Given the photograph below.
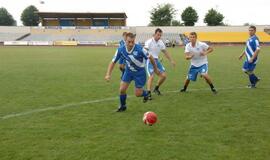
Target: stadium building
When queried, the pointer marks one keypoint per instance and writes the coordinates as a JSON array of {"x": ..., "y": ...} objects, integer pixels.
[
  {"x": 63, "y": 28},
  {"x": 82, "y": 19}
]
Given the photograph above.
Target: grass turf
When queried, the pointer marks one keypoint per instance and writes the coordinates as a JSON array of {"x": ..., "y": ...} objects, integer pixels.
[{"x": 196, "y": 125}]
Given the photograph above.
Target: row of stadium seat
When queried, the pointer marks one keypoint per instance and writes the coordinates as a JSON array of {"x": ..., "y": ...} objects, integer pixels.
[
  {"x": 10, "y": 36},
  {"x": 112, "y": 35},
  {"x": 225, "y": 37},
  {"x": 215, "y": 37},
  {"x": 51, "y": 37},
  {"x": 172, "y": 37},
  {"x": 78, "y": 31},
  {"x": 12, "y": 33},
  {"x": 106, "y": 35}
]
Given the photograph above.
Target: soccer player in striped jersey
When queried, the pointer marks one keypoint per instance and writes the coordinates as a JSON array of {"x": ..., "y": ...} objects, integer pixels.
[
  {"x": 251, "y": 52},
  {"x": 135, "y": 59}
]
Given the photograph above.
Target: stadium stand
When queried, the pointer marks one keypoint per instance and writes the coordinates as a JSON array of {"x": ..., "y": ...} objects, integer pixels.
[
  {"x": 106, "y": 35},
  {"x": 142, "y": 37},
  {"x": 112, "y": 34},
  {"x": 267, "y": 30},
  {"x": 171, "y": 34},
  {"x": 226, "y": 34},
  {"x": 217, "y": 34},
  {"x": 13, "y": 33},
  {"x": 82, "y": 19},
  {"x": 229, "y": 37}
]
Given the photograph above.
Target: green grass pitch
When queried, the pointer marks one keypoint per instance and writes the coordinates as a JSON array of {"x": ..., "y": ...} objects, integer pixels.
[{"x": 55, "y": 105}]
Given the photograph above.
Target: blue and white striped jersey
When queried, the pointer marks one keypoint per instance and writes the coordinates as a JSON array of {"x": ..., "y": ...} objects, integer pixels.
[
  {"x": 135, "y": 59},
  {"x": 252, "y": 45},
  {"x": 122, "y": 43}
]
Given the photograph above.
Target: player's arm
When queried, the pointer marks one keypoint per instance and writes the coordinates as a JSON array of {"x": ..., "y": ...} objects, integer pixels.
[
  {"x": 152, "y": 61},
  {"x": 168, "y": 56},
  {"x": 256, "y": 53},
  {"x": 242, "y": 55},
  {"x": 109, "y": 71},
  {"x": 146, "y": 49},
  {"x": 111, "y": 65},
  {"x": 189, "y": 55},
  {"x": 151, "y": 58},
  {"x": 207, "y": 51}
]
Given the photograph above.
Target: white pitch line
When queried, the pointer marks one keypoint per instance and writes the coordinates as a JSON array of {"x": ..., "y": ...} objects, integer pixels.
[
  {"x": 96, "y": 101},
  {"x": 56, "y": 107},
  {"x": 206, "y": 89}
]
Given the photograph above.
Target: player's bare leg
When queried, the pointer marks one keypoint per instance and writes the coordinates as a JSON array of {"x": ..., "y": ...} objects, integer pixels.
[
  {"x": 149, "y": 85},
  {"x": 123, "y": 96},
  {"x": 122, "y": 69},
  {"x": 161, "y": 79},
  {"x": 140, "y": 92},
  {"x": 209, "y": 81},
  {"x": 186, "y": 83}
]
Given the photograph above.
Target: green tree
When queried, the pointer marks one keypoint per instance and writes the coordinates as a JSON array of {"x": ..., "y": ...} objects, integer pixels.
[
  {"x": 213, "y": 18},
  {"x": 162, "y": 15},
  {"x": 29, "y": 16},
  {"x": 6, "y": 18},
  {"x": 189, "y": 16},
  {"x": 176, "y": 23},
  {"x": 246, "y": 24},
  {"x": 249, "y": 24}
]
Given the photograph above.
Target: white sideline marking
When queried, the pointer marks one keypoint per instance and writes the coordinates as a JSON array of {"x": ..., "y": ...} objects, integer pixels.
[
  {"x": 56, "y": 107},
  {"x": 98, "y": 101}
]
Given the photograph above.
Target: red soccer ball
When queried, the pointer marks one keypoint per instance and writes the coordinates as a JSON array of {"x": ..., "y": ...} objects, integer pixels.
[{"x": 149, "y": 118}]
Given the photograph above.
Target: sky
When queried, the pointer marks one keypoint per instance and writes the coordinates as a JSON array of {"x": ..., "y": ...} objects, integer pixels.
[{"x": 236, "y": 12}]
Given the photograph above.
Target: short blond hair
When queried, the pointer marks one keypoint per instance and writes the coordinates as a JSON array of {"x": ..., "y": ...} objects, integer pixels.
[
  {"x": 130, "y": 35},
  {"x": 193, "y": 34}
]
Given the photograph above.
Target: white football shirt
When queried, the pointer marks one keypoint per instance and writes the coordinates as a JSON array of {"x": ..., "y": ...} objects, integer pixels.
[
  {"x": 154, "y": 47},
  {"x": 197, "y": 60}
]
